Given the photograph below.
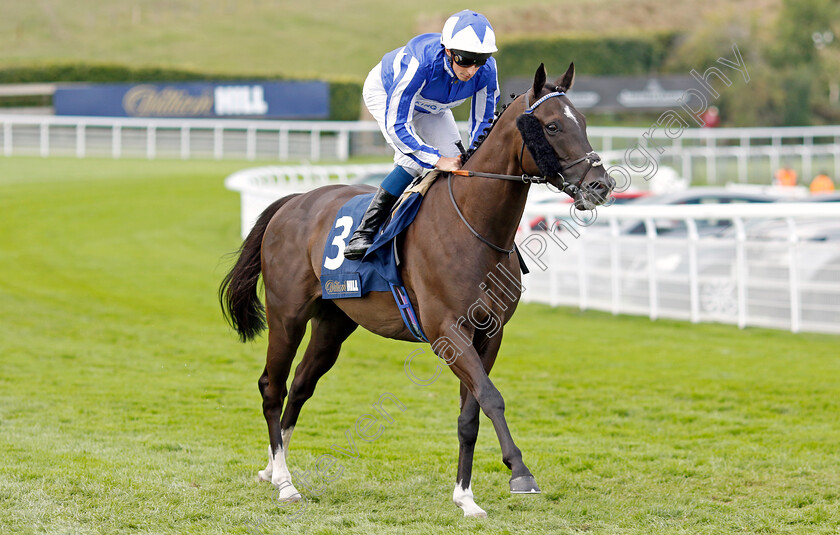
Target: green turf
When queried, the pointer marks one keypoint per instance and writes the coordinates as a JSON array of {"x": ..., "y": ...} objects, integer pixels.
[{"x": 127, "y": 406}]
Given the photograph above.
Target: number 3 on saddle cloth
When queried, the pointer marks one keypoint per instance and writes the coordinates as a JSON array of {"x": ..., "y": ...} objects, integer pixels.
[{"x": 378, "y": 271}]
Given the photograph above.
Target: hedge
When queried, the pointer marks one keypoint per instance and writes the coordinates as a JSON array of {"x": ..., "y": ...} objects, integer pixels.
[
  {"x": 345, "y": 95},
  {"x": 629, "y": 55}
]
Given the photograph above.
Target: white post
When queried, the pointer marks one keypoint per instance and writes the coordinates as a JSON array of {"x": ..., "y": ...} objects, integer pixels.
[
  {"x": 151, "y": 142},
  {"x": 185, "y": 142},
  {"x": 793, "y": 271},
  {"x": 836, "y": 150},
  {"x": 583, "y": 285},
  {"x": 743, "y": 160},
  {"x": 741, "y": 270},
  {"x": 685, "y": 156},
  {"x": 653, "y": 297},
  {"x": 343, "y": 145},
  {"x": 218, "y": 148},
  {"x": 774, "y": 154},
  {"x": 251, "y": 143},
  {"x": 807, "y": 159},
  {"x": 45, "y": 139},
  {"x": 7, "y": 138},
  {"x": 315, "y": 145},
  {"x": 614, "y": 265},
  {"x": 711, "y": 161},
  {"x": 283, "y": 145},
  {"x": 693, "y": 282},
  {"x": 552, "y": 281},
  {"x": 116, "y": 141},
  {"x": 80, "y": 140}
]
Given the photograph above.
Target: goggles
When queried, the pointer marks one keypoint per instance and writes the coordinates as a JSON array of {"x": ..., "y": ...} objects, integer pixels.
[{"x": 468, "y": 60}]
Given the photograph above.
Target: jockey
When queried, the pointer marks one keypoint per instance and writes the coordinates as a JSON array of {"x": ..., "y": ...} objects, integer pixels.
[{"x": 410, "y": 93}]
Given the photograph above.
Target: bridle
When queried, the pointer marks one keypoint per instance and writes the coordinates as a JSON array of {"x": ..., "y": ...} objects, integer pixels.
[{"x": 591, "y": 158}]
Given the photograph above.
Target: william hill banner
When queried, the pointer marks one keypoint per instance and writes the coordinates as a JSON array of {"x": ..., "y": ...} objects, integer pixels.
[{"x": 267, "y": 100}]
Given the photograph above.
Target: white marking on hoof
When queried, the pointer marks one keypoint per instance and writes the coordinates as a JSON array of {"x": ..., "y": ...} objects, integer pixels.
[
  {"x": 286, "y": 437},
  {"x": 287, "y": 493},
  {"x": 281, "y": 478},
  {"x": 463, "y": 498},
  {"x": 265, "y": 475}
]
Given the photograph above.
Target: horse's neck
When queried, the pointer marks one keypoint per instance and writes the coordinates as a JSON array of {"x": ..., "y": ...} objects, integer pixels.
[{"x": 494, "y": 207}]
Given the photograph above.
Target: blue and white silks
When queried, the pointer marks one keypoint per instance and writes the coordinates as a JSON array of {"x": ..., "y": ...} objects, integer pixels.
[{"x": 418, "y": 78}]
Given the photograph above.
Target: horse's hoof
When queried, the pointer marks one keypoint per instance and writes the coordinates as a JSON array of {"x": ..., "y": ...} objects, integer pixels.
[
  {"x": 524, "y": 485},
  {"x": 286, "y": 492},
  {"x": 479, "y": 514},
  {"x": 263, "y": 475}
]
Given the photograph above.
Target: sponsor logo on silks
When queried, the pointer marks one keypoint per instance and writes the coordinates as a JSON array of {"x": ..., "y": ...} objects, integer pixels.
[{"x": 341, "y": 285}]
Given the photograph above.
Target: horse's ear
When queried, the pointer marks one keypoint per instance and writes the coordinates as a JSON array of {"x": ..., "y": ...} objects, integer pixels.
[
  {"x": 564, "y": 83},
  {"x": 539, "y": 80}
]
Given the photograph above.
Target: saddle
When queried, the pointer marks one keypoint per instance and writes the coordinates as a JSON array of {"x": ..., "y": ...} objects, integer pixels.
[{"x": 378, "y": 270}]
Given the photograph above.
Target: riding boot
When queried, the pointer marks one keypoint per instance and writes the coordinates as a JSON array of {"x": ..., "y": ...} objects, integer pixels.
[{"x": 375, "y": 215}]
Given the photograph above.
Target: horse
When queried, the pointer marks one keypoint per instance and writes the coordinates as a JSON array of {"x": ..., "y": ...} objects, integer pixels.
[{"x": 458, "y": 251}]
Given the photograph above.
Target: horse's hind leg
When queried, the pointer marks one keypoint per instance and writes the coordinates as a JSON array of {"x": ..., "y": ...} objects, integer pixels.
[
  {"x": 330, "y": 328},
  {"x": 283, "y": 340}
]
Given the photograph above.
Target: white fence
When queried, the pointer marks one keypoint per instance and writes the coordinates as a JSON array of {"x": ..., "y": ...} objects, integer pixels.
[
  {"x": 791, "y": 281},
  {"x": 259, "y": 187},
  {"x": 180, "y": 138},
  {"x": 745, "y": 155},
  {"x": 778, "y": 265}
]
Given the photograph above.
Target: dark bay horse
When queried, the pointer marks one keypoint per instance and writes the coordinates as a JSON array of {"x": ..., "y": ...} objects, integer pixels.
[{"x": 445, "y": 268}]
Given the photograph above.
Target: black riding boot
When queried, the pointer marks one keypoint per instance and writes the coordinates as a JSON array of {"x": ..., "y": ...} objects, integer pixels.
[{"x": 375, "y": 215}]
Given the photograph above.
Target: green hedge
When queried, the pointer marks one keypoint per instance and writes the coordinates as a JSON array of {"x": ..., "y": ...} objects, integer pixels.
[
  {"x": 345, "y": 95},
  {"x": 629, "y": 55}
]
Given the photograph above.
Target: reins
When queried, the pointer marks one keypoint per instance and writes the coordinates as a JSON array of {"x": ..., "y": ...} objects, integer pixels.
[
  {"x": 566, "y": 187},
  {"x": 475, "y": 232}
]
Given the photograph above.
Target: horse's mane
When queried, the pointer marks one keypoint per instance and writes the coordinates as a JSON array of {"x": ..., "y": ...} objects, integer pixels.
[{"x": 487, "y": 130}]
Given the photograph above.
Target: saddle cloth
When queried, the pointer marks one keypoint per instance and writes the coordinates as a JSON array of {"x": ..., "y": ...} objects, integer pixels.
[{"x": 378, "y": 270}]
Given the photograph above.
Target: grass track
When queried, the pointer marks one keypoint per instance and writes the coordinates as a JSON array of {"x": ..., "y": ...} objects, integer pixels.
[{"x": 127, "y": 406}]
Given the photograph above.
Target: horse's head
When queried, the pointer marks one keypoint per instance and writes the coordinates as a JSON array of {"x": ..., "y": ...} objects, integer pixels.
[{"x": 558, "y": 149}]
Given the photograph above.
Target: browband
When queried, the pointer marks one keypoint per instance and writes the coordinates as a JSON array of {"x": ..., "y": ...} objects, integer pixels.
[{"x": 530, "y": 108}]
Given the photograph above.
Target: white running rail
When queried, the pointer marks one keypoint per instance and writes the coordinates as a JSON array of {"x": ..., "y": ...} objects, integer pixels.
[{"x": 791, "y": 281}]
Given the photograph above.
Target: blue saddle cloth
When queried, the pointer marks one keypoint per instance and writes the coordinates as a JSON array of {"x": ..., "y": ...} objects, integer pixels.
[{"x": 377, "y": 271}]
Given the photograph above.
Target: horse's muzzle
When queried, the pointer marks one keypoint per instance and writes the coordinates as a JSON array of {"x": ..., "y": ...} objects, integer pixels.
[{"x": 594, "y": 193}]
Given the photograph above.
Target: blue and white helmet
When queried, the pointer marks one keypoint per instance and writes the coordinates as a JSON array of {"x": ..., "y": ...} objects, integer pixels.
[{"x": 469, "y": 31}]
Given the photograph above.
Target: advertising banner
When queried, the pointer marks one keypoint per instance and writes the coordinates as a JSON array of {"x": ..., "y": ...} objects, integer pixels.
[
  {"x": 266, "y": 100},
  {"x": 618, "y": 93}
]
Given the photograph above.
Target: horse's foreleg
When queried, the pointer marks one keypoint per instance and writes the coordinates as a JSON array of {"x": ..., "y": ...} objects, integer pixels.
[
  {"x": 467, "y": 435},
  {"x": 470, "y": 370},
  {"x": 468, "y": 423}
]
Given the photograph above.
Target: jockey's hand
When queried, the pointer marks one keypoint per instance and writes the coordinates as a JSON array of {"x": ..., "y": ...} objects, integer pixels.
[{"x": 448, "y": 164}]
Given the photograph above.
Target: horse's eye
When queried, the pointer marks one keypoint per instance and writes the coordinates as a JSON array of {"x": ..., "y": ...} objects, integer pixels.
[{"x": 552, "y": 128}]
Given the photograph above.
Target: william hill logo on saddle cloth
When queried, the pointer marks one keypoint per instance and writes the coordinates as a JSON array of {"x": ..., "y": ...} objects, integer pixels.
[{"x": 345, "y": 285}]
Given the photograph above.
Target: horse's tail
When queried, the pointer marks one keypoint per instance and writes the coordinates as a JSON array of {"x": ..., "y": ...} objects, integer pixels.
[{"x": 238, "y": 296}]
